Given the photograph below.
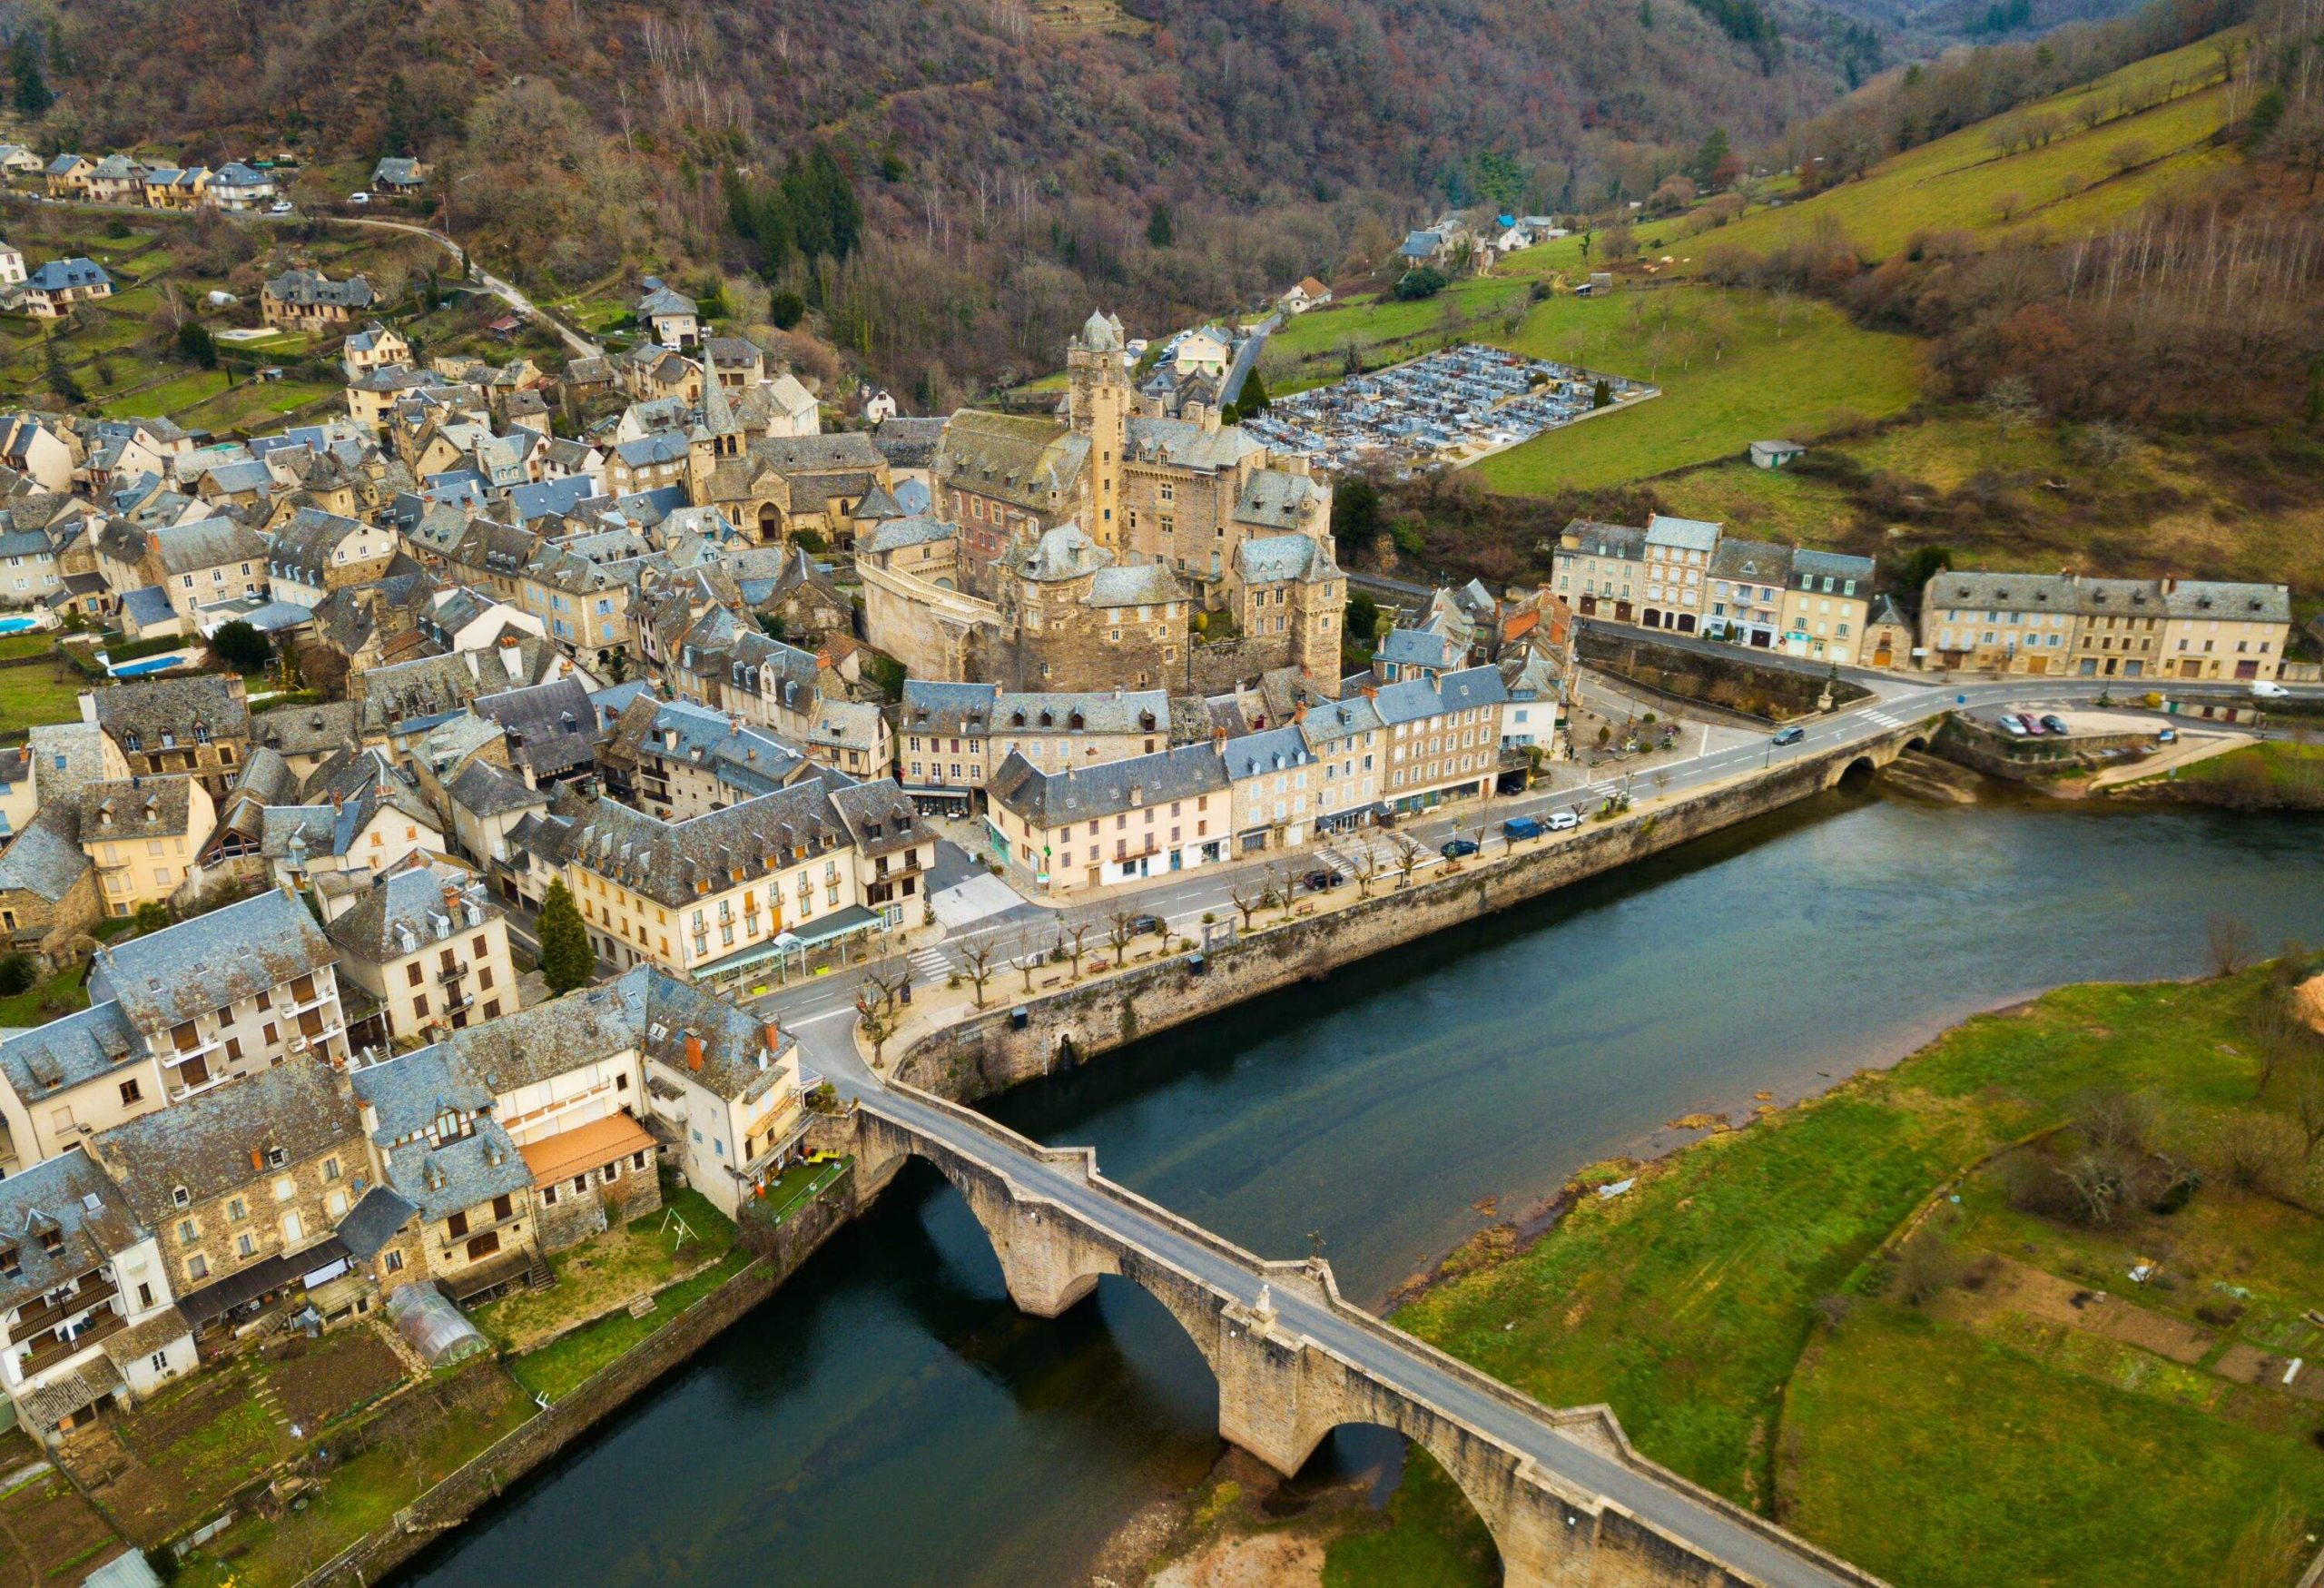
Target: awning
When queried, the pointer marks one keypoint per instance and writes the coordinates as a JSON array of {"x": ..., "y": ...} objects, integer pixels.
[
  {"x": 278, "y": 1272},
  {"x": 921, "y": 791},
  {"x": 583, "y": 1147},
  {"x": 838, "y": 924}
]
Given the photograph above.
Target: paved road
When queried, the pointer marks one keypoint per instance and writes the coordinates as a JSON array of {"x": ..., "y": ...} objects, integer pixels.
[
  {"x": 821, "y": 1014},
  {"x": 581, "y": 346}
]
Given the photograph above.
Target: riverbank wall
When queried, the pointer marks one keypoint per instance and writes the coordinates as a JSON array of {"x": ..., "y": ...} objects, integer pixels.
[
  {"x": 1022, "y": 1039},
  {"x": 782, "y": 1250}
]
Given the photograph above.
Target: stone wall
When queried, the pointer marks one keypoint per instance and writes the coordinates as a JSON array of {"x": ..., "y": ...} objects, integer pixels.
[
  {"x": 985, "y": 1055},
  {"x": 451, "y": 1502},
  {"x": 1735, "y": 683}
]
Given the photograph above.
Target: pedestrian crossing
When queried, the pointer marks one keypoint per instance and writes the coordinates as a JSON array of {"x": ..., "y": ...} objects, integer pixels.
[
  {"x": 930, "y": 964},
  {"x": 1886, "y": 719}
]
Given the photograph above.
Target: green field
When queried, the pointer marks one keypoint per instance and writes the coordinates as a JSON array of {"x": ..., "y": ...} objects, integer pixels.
[
  {"x": 1734, "y": 367},
  {"x": 1953, "y": 1444},
  {"x": 32, "y": 695},
  {"x": 2076, "y": 181},
  {"x": 171, "y": 396}
]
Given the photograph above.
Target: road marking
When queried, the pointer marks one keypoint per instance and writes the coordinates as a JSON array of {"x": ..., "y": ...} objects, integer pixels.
[
  {"x": 931, "y": 962},
  {"x": 816, "y": 1020}
]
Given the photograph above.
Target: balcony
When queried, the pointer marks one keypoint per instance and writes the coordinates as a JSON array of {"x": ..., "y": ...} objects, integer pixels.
[
  {"x": 41, "y": 1357},
  {"x": 178, "y": 1094},
  {"x": 322, "y": 995},
  {"x": 174, "y": 1056},
  {"x": 31, "y": 1320},
  {"x": 450, "y": 974}
]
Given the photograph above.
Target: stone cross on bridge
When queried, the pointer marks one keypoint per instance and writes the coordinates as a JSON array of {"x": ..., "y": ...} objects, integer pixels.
[{"x": 1567, "y": 1500}]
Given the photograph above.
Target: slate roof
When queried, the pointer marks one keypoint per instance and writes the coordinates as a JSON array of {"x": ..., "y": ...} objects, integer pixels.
[
  {"x": 895, "y": 533},
  {"x": 206, "y": 1143},
  {"x": 1190, "y": 444},
  {"x": 932, "y": 706},
  {"x": 1684, "y": 534},
  {"x": 549, "y": 1038},
  {"x": 1270, "y": 750},
  {"x": 71, "y": 1197},
  {"x": 735, "y": 1064},
  {"x": 312, "y": 289},
  {"x": 197, "y": 966},
  {"x": 149, "y": 607},
  {"x": 486, "y": 790},
  {"x": 1597, "y": 538},
  {"x": 1415, "y": 648},
  {"x": 675, "y": 862},
  {"x": 1143, "y": 584},
  {"x": 1832, "y": 565},
  {"x": 67, "y": 1051},
  {"x": 1752, "y": 561},
  {"x": 136, "y": 808},
  {"x": 407, "y": 910},
  {"x": 551, "y": 727},
  {"x": 151, "y": 707},
  {"x": 45, "y": 858},
  {"x": 184, "y": 549},
  {"x": 2002, "y": 592},
  {"x": 321, "y": 729},
  {"x": 373, "y": 1222},
  {"x": 60, "y": 275},
  {"x": 908, "y": 443},
  {"x": 1046, "y": 799},
  {"x": 2211, "y": 598},
  {"x": 1276, "y": 498}
]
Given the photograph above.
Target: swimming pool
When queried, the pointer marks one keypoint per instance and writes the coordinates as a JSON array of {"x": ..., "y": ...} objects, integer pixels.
[
  {"x": 18, "y": 625},
  {"x": 148, "y": 665}
]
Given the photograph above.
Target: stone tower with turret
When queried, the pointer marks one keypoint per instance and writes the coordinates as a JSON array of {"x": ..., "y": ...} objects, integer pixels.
[{"x": 1098, "y": 398}]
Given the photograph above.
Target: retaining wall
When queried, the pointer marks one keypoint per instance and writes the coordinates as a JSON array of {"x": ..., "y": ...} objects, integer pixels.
[
  {"x": 459, "y": 1496},
  {"x": 988, "y": 1054}
]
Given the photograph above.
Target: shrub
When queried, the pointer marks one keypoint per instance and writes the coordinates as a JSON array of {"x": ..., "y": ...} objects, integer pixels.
[{"x": 18, "y": 972}]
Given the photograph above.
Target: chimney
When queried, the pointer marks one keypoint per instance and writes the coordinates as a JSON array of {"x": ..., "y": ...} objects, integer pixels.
[
  {"x": 773, "y": 1036},
  {"x": 258, "y": 1159},
  {"x": 1371, "y": 692},
  {"x": 2170, "y": 583},
  {"x": 335, "y": 800},
  {"x": 694, "y": 1052}
]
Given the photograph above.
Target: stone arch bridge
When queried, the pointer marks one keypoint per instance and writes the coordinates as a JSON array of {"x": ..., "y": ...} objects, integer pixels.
[{"x": 1567, "y": 1500}]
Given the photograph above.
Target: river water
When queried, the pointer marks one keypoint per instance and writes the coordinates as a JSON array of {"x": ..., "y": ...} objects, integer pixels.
[{"x": 888, "y": 1417}]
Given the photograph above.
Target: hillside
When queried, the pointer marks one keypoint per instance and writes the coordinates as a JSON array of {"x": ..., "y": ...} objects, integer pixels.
[{"x": 1013, "y": 164}]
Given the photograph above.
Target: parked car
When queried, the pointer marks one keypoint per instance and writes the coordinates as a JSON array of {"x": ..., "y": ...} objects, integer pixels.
[
  {"x": 2030, "y": 723},
  {"x": 1321, "y": 878},
  {"x": 1791, "y": 735},
  {"x": 358, "y": 198},
  {"x": 2011, "y": 726},
  {"x": 2056, "y": 724},
  {"x": 1454, "y": 848},
  {"x": 1518, "y": 827},
  {"x": 1143, "y": 925},
  {"x": 1564, "y": 821},
  {"x": 2166, "y": 735},
  {"x": 2269, "y": 689},
  {"x": 280, "y": 207}
]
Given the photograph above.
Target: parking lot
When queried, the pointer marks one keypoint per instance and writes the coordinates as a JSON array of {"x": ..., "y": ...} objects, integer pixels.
[{"x": 1452, "y": 406}]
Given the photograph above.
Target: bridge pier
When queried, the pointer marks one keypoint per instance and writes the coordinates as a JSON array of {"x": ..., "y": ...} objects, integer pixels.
[{"x": 1281, "y": 1392}]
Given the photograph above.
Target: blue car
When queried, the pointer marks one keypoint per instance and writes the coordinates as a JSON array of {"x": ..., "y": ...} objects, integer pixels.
[{"x": 1457, "y": 847}]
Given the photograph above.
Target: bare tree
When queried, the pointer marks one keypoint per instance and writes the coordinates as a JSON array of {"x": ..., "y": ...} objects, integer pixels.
[
  {"x": 1120, "y": 927},
  {"x": 1072, "y": 937},
  {"x": 1367, "y": 871},
  {"x": 977, "y": 958},
  {"x": 1248, "y": 899},
  {"x": 878, "y": 1009},
  {"x": 2307, "y": 1101},
  {"x": 1408, "y": 859},
  {"x": 1025, "y": 957},
  {"x": 2230, "y": 938}
]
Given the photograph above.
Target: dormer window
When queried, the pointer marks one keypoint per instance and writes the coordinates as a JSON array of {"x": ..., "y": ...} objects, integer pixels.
[
  {"x": 11, "y": 1263},
  {"x": 276, "y": 1157},
  {"x": 180, "y": 1197},
  {"x": 52, "y": 1241}
]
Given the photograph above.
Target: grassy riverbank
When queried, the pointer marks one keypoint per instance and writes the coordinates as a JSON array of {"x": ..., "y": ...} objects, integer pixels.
[{"x": 1967, "y": 1412}]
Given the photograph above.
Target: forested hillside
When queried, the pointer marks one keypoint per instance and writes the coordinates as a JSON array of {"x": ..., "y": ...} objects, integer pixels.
[{"x": 1011, "y": 166}]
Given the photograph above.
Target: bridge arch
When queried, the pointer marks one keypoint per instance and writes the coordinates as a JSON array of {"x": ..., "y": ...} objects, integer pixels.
[
  {"x": 1856, "y": 774},
  {"x": 1278, "y": 1398}
]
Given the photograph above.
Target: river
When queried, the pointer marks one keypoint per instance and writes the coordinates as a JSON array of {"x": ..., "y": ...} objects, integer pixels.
[{"x": 889, "y": 1418}]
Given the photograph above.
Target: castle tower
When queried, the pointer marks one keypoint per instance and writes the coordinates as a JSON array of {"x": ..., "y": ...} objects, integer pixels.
[{"x": 1098, "y": 399}]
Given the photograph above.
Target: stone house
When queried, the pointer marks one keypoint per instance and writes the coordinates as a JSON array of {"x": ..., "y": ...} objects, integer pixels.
[
  {"x": 1444, "y": 737},
  {"x": 1274, "y": 782},
  {"x": 310, "y": 301},
  {"x": 724, "y": 1088},
  {"x": 48, "y": 888},
  {"x": 1114, "y": 822},
  {"x": 439, "y": 1146},
  {"x": 570, "y": 1085},
  {"x": 199, "y": 725},
  {"x": 428, "y": 946},
  {"x": 245, "y": 1189},
  {"x": 1825, "y": 606},
  {"x": 52, "y": 291},
  {"x": 949, "y": 736},
  {"x": 144, "y": 835},
  {"x": 173, "y": 1014},
  {"x": 678, "y": 760},
  {"x": 673, "y": 319},
  {"x": 317, "y": 552},
  {"x": 375, "y": 347},
  {"x": 86, "y": 1319}
]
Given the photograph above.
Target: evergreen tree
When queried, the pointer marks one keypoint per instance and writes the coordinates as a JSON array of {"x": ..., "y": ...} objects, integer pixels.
[
  {"x": 1254, "y": 399},
  {"x": 396, "y": 130},
  {"x": 1356, "y": 520},
  {"x": 1601, "y": 395},
  {"x": 1708, "y": 159},
  {"x": 196, "y": 344},
  {"x": 567, "y": 959},
  {"x": 240, "y": 647},
  {"x": 60, "y": 379},
  {"x": 1161, "y": 230},
  {"x": 30, "y": 92}
]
